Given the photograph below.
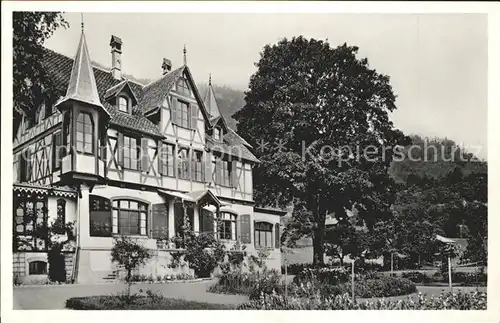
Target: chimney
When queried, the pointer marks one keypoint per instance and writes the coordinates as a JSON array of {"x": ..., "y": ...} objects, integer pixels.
[
  {"x": 166, "y": 66},
  {"x": 116, "y": 57}
]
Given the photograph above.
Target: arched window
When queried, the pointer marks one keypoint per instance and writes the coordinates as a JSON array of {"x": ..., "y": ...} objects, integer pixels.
[
  {"x": 129, "y": 217},
  {"x": 226, "y": 226},
  {"x": 61, "y": 210},
  {"x": 263, "y": 235},
  {"x": 85, "y": 133},
  {"x": 122, "y": 104},
  {"x": 38, "y": 268}
]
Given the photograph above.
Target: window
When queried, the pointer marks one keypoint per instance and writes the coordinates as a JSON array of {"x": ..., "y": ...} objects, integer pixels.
[
  {"x": 57, "y": 150},
  {"x": 197, "y": 166},
  {"x": 129, "y": 217},
  {"x": 61, "y": 210},
  {"x": 100, "y": 216},
  {"x": 182, "y": 163},
  {"x": 263, "y": 235},
  {"x": 84, "y": 133},
  {"x": 29, "y": 214},
  {"x": 130, "y": 152},
  {"x": 167, "y": 160},
  {"x": 226, "y": 226},
  {"x": 122, "y": 104},
  {"x": 217, "y": 134},
  {"x": 183, "y": 114},
  {"x": 38, "y": 268},
  {"x": 222, "y": 171}
]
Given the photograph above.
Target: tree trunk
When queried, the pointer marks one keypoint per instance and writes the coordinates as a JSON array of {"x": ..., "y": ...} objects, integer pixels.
[
  {"x": 318, "y": 245},
  {"x": 341, "y": 257}
]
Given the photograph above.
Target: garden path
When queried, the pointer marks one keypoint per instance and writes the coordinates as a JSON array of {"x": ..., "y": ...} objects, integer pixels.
[{"x": 55, "y": 296}]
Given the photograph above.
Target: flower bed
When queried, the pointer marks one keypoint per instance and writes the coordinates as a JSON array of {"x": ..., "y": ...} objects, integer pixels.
[
  {"x": 251, "y": 284},
  {"x": 460, "y": 301},
  {"x": 375, "y": 287}
]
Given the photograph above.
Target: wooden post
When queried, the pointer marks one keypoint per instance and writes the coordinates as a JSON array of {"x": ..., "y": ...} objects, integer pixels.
[
  {"x": 392, "y": 263},
  {"x": 449, "y": 273},
  {"x": 352, "y": 279},
  {"x": 286, "y": 276}
]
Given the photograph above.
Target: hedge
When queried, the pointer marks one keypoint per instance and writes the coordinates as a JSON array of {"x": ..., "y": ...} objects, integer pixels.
[{"x": 139, "y": 303}]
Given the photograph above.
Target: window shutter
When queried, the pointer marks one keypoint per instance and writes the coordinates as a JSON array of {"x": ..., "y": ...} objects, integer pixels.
[
  {"x": 234, "y": 174},
  {"x": 159, "y": 225},
  {"x": 28, "y": 165},
  {"x": 19, "y": 167},
  {"x": 176, "y": 157},
  {"x": 144, "y": 155},
  {"x": 120, "y": 148},
  {"x": 194, "y": 116},
  {"x": 245, "y": 228},
  {"x": 218, "y": 171},
  {"x": 277, "y": 240},
  {"x": 173, "y": 110},
  {"x": 208, "y": 167},
  {"x": 161, "y": 156}
]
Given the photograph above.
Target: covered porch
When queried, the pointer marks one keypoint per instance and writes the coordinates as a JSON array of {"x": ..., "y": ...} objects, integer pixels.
[{"x": 197, "y": 211}]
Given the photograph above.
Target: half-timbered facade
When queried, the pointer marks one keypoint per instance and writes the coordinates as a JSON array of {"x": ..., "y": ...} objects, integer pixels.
[{"x": 122, "y": 158}]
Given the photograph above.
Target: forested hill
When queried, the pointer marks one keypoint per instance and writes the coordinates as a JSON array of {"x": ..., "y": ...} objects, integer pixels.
[
  {"x": 434, "y": 159},
  {"x": 442, "y": 157}
]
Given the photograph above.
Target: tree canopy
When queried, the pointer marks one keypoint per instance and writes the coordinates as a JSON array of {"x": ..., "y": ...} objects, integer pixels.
[
  {"x": 31, "y": 84},
  {"x": 311, "y": 110}
]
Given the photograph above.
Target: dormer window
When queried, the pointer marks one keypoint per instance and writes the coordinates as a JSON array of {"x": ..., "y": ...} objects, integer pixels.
[
  {"x": 122, "y": 104},
  {"x": 218, "y": 134}
]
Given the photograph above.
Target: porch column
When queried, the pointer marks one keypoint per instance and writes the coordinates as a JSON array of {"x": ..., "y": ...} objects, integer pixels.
[
  {"x": 83, "y": 218},
  {"x": 171, "y": 219},
  {"x": 196, "y": 220}
]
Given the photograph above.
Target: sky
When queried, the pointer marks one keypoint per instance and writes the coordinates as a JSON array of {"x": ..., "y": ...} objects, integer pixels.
[{"x": 438, "y": 63}]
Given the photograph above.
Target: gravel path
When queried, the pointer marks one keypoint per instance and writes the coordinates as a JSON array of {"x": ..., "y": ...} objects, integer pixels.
[{"x": 54, "y": 297}]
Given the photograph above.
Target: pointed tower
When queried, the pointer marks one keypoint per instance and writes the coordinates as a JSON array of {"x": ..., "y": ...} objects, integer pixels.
[
  {"x": 84, "y": 123},
  {"x": 210, "y": 101}
]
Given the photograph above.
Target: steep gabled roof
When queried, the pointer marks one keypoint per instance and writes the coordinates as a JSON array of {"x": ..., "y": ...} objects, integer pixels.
[
  {"x": 59, "y": 69},
  {"x": 155, "y": 92}
]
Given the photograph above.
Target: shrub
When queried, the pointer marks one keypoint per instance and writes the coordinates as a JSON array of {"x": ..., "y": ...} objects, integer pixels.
[
  {"x": 460, "y": 301},
  {"x": 417, "y": 277},
  {"x": 467, "y": 278},
  {"x": 382, "y": 286},
  {"x": 330, "y": 276},
  {"x": 149, "y": 302},
  {"x": 252, "y": 284},
  {"x": 203, "y": 253},
  {"x": 336, "y": 281}
]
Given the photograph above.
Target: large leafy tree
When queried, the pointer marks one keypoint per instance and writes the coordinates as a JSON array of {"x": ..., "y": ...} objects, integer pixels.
[
  {"x": 344, "y": 239},
  {"x": 311, "y": 111},
  {"x": 31, "y": 84}
]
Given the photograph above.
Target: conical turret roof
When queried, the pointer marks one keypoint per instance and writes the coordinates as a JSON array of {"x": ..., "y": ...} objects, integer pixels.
[
  {"x": 82, "y": 86},
  {"x": 211, "y": 102}
]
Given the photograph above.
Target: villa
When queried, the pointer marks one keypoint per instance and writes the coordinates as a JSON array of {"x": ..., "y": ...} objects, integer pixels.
[{"x": 121, "y": 158}]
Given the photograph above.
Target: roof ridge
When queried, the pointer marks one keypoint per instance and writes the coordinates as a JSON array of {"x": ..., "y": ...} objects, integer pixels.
[
  {"x": 98, "y": 66},
  {"x": 162, "y": 77}
]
